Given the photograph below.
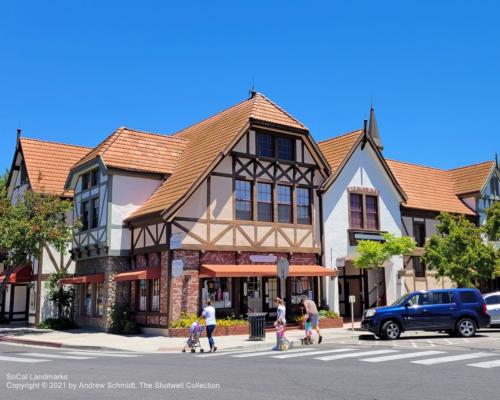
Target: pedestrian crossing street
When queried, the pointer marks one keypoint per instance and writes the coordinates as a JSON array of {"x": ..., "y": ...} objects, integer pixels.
[
  {"x": 476, "y": 359},
  {"x": 40, "y": 357}
]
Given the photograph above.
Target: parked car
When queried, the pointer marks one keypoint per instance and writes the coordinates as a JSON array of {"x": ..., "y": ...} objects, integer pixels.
[
  {"x": 456, "y": 311},
  {"x": 493, "y": 306}
]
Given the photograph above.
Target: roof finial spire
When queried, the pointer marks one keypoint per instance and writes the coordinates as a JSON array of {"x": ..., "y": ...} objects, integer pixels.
[
  {"x": 19, "y": 133},
  {"x": 252, "y": 91},
  {"x": 373, "y": 129}
]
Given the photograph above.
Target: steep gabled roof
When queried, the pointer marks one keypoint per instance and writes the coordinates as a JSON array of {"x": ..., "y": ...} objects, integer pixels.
[
  {"x": 339, "y": 150},
  {"x": 471, "y": 178},
  {"x": 428, "y": 188},
  {"x": 336, "y": 149},
  {"x": 134, "y": 150},
  {"x": 208, "y": 140},
  {"x": 48, "y": 164}
]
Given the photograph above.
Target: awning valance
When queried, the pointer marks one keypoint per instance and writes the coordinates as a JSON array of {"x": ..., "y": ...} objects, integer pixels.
[
  {"x": 244, "y": 270},
  {"x": 76, "y": 280},
  {"x": 20, "y": 274},
  {"x": 137, "y": 274}
]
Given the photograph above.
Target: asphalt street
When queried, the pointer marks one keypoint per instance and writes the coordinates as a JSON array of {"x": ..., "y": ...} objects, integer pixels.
[{"x": 419, "y": 366}]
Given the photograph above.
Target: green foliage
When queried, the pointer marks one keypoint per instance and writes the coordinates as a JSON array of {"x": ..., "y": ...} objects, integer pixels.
[
  {"x": 492, "y": 225},
  {"x": 33, "y": 222},
  {"x": 374, "y": 254},
  {"x": 459, "y": 252},
  {"x": 328, "y": 314},
  {"x": 186, "y": 320},
  {"x": 61, "y": 295},
  {"x": 122, "y": 320},
  {"x": 57, "y": 324}
]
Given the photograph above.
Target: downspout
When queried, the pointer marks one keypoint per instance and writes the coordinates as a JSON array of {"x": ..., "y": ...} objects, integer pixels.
[{"x": 322, "y": 243}]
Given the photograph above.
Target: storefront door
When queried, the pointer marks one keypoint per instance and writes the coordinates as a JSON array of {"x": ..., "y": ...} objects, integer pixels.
[{"x": 254, "y": 294}]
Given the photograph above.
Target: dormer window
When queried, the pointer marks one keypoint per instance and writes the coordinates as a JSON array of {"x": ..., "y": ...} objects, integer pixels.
[{"x": 273, "y": 146}]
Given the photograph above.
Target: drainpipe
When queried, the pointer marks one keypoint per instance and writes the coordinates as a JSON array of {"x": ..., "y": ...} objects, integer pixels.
[{"x": 322, "y": 243}]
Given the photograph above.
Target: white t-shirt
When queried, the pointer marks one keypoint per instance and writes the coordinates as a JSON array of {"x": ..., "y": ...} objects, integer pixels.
[
  {"x": 209, "y": 314},
  {"x": 281, "y": 313}
]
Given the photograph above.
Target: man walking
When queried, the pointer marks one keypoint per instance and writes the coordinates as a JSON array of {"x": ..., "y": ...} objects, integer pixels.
[{"x": 312, "y": 313}]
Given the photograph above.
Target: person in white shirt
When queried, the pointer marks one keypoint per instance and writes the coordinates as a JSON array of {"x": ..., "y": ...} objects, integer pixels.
[{"x": 210, "y": 322}]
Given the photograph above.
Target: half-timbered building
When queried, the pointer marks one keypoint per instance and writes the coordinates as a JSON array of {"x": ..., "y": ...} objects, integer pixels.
[{"x": 42, "y": 167}]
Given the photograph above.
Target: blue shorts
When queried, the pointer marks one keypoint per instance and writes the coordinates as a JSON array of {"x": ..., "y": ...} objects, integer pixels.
[{"x": 314, "y": 321}]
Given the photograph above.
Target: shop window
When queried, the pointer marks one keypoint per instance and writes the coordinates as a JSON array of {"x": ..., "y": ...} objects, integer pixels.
[
  {"x": 303, "y": 206},
  {"x": 356, "y": 204},
  {"x": 271, "y": 292},
  {"x": 284, "y": 204},
  {"x": 219, "y": 291},
  {"x": 85, "y": 215},
  {"x": 155, "y": 295},
  {"x": 371, "y": 212},
  {"x": 243, "y": 194},
  {"x": 419, "y": 267},
  {"x": 264, "y": 202},
  {"x": 285, "y": 149},
  {"x": 95, "y": 213},
  {"x": 88, "y": 302},
  {"x": 265, "y": 145},
  {"x": 301, "y": 286},
  {"x": 99, "y": 299},
  {"x": 143, "y": 295}
]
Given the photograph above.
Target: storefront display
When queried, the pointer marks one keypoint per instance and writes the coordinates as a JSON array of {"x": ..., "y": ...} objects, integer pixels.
[
  {"x": 219, "y": 291},
  {"x": 301, "y": 286}
]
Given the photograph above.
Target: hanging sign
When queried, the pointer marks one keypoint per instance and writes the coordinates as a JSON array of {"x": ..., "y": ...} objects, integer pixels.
[{"x": 282, "y": 268}]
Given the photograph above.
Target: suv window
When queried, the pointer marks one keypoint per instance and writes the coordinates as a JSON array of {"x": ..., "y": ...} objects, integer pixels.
[
  {"x": 442, "y": 298},
  {"x": 468, "y": 297},
  {"x": 421, "y": 299},
  {"x": 492, "y": 300}
]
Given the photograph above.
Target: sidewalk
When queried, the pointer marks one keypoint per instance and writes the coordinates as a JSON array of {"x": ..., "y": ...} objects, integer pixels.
[{"x": 91, "y": 340}]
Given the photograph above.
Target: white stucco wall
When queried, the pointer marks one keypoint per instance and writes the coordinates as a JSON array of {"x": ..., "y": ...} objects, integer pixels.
[
  {"x": 128, "y": 194},
  {"x": 362, "y": 170}
]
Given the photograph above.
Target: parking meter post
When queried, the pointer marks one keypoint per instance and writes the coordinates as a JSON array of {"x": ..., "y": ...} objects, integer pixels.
[{"x": 352, "y": 317}]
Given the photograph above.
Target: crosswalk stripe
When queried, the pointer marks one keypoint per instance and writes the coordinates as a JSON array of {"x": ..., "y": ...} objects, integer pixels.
[
  {"x": 88, "y": 353},
  {"x": 42, "y": 355},
  {"x": 22, "y": 360},
  {"x": 265, "y": 353},
  {"x": 224, "y": 353},
  {"x": 403, "y": 356},
  {"x": 311, "y": 353},
  {"x": 352, "y": 355},
  {"x": 486, "y": 364},
  {"x": 439, "y": 360}
]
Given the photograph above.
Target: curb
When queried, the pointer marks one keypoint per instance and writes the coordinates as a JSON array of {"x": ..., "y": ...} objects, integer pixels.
[{"x": 57, "y": 345}]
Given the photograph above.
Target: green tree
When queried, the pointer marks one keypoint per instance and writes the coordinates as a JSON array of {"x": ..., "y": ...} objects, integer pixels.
[
  {"x": 34, "y": 222},
  {"x": 61, "y": 295},
  {"x": 458, "y": 251},
  {"x": 374, "y": 254},
  {"x": 492, "y": 225}
]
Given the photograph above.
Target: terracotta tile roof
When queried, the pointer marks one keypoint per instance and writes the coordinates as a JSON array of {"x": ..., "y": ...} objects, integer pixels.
[
  {"x": 207, "y": 140},
  {"x": 428, "y": 188},
  {"x": 471, "y": 178},
  {"x": 135, "y": 150},
  {"x": 48, "y": 164},
  {"x": 336, "y": 149}
]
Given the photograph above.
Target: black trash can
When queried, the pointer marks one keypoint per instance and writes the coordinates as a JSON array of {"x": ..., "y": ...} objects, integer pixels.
[{"x": 257, "y": 325}]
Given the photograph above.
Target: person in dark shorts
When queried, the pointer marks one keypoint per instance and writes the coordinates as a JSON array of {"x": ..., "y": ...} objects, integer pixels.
[{"x": 313, "y": 315}]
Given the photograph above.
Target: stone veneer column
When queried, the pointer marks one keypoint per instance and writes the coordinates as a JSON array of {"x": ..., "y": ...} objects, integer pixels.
[
  {"x": 164, "y": 288},
  {"x": 186, "y": 288},
  {"x": 114, "y": 294}
]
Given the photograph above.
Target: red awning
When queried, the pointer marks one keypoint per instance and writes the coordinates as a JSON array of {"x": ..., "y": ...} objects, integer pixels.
[
  {"x": 77, "y": 280},
  {"x": 244, "y": 270},
  {"x": 137, "y": 274},
  {"x": 20, "y": 274}
]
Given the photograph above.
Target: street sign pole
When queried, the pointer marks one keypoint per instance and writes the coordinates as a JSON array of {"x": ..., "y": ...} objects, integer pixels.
[
  {"x": 352, "y": 300},
  {"x": 282, "y": 272}
]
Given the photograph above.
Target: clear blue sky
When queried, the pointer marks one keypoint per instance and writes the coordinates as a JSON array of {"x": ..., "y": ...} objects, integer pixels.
[{"x": 73, "y": 71}]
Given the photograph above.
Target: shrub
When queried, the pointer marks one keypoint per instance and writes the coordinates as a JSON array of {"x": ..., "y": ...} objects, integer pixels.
[
  {"x": 58, "y": 324},
  {"x": 327, "y": 314},
  {"x": 186, "y": 320},
  {"x": 122, "y": 321}
]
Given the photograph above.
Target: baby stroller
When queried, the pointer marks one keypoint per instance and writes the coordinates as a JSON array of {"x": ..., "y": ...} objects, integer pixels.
[{"x": 193, "y": 341}]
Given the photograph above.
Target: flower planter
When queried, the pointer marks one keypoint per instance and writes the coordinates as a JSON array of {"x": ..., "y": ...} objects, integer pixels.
[
  {"x": 337, "y": 322},
  {"x": 219, "y": 331}
]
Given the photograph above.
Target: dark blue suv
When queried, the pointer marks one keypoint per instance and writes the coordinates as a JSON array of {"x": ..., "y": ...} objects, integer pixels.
[{"x": 456, "y": 311}]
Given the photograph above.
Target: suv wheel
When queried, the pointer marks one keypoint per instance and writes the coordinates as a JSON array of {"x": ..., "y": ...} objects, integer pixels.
[
  {"x": 466, "y": 327},
  {"x": 390, "y": 330}
]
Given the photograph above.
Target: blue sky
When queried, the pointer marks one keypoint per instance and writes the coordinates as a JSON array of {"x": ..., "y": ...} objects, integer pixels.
[{"x": 73, "y": 71}]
